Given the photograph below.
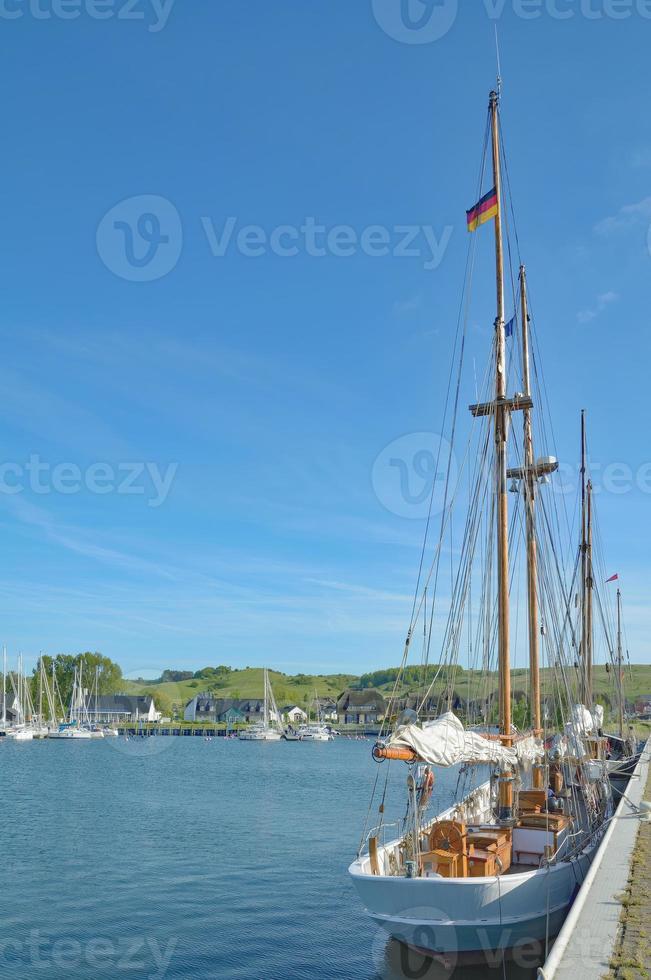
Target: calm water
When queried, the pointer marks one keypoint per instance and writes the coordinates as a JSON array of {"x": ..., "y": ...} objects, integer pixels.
[{"x": 181, "y": 858}]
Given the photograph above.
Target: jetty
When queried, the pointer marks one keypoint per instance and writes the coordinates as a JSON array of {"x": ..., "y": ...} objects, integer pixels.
[{"x": 604, "y": 933}]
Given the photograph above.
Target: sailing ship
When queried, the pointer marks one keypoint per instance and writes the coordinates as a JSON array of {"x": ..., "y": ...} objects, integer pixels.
[
  {"x": 270, "y": 729},
  {"x": 502, "y": 864}
]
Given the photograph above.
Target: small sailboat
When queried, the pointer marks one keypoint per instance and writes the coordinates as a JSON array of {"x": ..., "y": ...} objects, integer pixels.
[
  {"x": 317, "y": 732},
  {"x": 270, "y": 729},
  {"x": 74, "y": 728},
  {"x": 501, "y": 864}
]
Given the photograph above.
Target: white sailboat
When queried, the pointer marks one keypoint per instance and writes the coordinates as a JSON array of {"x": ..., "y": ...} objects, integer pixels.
[
  {"x": 24, "y": 729},
  {"x": 270, "y": 729},
  {"x": 73, "y": 728},
  {"x": 317, "y": 732},
  {"x": 502, "y": 864}
]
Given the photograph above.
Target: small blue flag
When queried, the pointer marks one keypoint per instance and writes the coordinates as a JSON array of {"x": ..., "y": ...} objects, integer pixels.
[{"x": 508, "y": 329}]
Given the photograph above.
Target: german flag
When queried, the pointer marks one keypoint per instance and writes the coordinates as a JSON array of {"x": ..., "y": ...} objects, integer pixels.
[{"x": 485, "y": 210}]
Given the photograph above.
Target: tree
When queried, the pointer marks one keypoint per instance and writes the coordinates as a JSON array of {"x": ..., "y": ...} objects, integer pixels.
[
  {"x": 162, "y": 701},
  {"x": 109, "y": 674}
]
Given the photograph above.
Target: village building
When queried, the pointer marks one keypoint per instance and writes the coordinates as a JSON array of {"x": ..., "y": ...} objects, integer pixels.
[
  {"x": 366, "y": 707},
  {"x": 230, "y": 711},
  {"x": 108, "y": 708}
]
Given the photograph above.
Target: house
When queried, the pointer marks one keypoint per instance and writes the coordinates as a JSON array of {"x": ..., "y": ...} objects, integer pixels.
[
  {"x": 207, "y": 708},
  {"x": 366, "y": 707},
  {"x": 293, "y": 714},
  {"x": 326, "y": 709},
  {"x": 122, "y": 707}
]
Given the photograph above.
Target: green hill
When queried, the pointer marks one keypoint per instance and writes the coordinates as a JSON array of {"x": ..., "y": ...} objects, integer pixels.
[{"x": 245, "y": 683}]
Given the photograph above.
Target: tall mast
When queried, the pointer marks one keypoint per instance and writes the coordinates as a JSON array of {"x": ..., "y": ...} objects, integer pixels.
[
  {"x": 4, "y": 687},
  {"x": 586, "y": 599},
  {"x": 266, "y": 703},
  {"x": 620, "y": 682},
  {"x": 589, "y": 584},
  {"x": 501, "y": 438},
  {"x": 530, "y": 507}
]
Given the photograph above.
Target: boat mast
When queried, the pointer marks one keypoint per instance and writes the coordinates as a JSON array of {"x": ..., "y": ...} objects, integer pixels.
[
  {"x": 589, "y": 615},
  {"x": 4, "y": 687},
  {"x": 266, "y": 695},
  {"x": 620, "y": 682},
  {"x": 501, "y": 439},
  {"x": 586, "y": 571},
  {"x": 530, "y": 507}
]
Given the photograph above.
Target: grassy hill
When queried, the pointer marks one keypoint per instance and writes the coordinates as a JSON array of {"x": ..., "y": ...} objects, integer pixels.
[
  {"x": 300, "y": 688},
  {"x": 247, "y": 683}
]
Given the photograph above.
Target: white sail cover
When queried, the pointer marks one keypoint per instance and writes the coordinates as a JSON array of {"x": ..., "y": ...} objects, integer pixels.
[{"x": 445, "y": 742}]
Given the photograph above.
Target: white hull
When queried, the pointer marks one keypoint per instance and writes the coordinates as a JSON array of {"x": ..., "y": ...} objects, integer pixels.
[
  {"x": 69, "y": 734},
  {"x": 472, "y": 915},
  {"x": 315, "y": 734},
  {"x": 261, "y": 735},
  {"x": 21, "y": 735}
]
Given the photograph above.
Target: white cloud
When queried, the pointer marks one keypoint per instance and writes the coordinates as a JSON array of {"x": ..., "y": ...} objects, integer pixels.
[
  {"x": 627, "y": 217},
  {"x": 603, "y": 300}
]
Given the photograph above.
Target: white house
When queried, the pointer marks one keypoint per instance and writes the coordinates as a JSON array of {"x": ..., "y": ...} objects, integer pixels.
[
  {"x": 122, "y": 707},
  {"x": 293, "y": 714}
]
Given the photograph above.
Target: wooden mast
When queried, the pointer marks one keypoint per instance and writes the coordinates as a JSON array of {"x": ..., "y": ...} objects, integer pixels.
[
  {"x": 589, "y": 585},
  {"x": 501, "y": 438},
  {"x": 620, "y": 682},
  {"x": 587, "y": 579},
  {"x": 530, "y": 505},
  {"x": 584, "y": 567}
]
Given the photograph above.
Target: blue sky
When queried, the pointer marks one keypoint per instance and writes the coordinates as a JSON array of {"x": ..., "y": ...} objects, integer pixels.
[{"x": 265, "y": 387}]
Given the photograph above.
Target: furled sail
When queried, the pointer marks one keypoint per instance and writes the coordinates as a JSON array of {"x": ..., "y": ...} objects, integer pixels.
[{"x": 445, "y": 742}]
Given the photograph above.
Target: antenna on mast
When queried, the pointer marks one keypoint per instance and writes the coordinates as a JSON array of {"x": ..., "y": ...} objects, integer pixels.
[{"x": 499, "y": 63}]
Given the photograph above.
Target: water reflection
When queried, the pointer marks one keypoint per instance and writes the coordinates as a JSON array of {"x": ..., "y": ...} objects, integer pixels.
[{"x": 400, "y": 962}]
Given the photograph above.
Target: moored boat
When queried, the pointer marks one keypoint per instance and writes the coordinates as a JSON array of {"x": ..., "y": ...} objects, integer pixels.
[{"x": 501, "y": 865}]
